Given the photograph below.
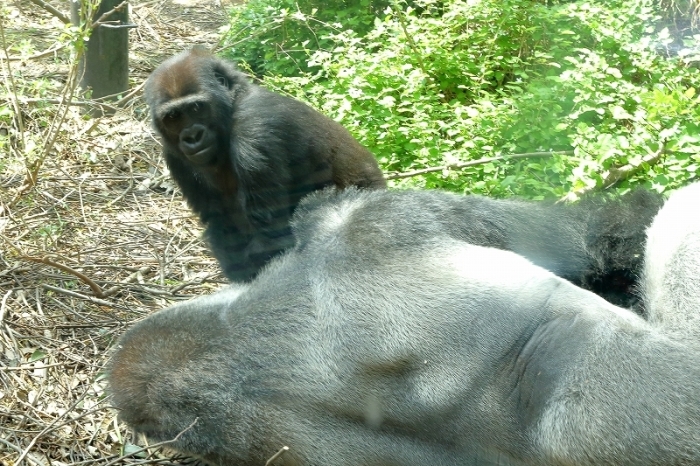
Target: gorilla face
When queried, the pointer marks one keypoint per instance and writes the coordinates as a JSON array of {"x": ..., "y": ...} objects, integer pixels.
[{"x": 192, "y": 98}]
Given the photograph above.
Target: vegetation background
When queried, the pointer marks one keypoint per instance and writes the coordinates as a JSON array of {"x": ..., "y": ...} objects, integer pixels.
[
  {"x": 496, "y": 97},
  {"x": 534, "y": 98}
]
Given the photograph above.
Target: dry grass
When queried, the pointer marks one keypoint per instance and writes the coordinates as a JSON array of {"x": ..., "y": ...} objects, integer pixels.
[{"x": 102, "y": 240}]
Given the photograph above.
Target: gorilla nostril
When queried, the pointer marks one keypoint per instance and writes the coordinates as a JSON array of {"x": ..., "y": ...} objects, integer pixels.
[{"x": 192, "y": 136}]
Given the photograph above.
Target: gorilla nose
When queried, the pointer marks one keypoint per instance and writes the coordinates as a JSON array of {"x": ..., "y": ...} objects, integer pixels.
[{"x": 191, "y": 138}]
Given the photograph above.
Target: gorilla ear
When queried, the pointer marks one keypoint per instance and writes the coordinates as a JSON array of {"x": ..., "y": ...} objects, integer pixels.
[
  {"x": 224, "y": 80},
  {"x": 229, "y": 77}
]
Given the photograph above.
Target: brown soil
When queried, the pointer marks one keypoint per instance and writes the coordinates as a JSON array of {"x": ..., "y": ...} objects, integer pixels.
[{"x": 103, "y": 238}]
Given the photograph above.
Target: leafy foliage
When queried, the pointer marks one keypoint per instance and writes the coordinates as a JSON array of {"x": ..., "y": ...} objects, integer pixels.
[
  {"x": 277, "y": 37},
  {"x": 434, "y": 85}
]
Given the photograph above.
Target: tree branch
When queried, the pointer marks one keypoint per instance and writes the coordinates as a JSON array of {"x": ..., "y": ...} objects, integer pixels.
[
  {"x": 409, "y": 39},
  {"x": 103, "y": 18},
  {"x": 615, "y": 174},
  {"x": 460, "y": 165},
  {"x": 45, "y": 260},
  {"x": 625, "y": 171},
  {"x": 64, "y": 19}
]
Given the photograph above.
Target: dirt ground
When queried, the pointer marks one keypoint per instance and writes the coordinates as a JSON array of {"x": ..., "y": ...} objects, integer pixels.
[{"x": 102, "y": 240}]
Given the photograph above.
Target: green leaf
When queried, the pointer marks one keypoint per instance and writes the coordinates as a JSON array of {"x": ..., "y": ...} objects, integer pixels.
[
  {"x": 37, "y": 355},
  {"x": 620, "y": 113},
  {"x": 131, "y": 449}
]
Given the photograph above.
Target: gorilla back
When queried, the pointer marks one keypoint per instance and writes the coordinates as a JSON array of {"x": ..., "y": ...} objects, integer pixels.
[
  {"x": 244, "y": 156},
  {"x": 597, "y": 243},
  {"x": 382, "y": 340}
]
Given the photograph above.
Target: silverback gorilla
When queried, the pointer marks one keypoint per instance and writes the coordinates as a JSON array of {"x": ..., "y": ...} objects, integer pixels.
[
  {"x": 384, "y": 338},
  {"x": 671, "y": 281},
  {"x": 244, "y": 156}
]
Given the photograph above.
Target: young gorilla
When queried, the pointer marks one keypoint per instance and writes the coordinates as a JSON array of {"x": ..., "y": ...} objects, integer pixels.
[
  {"x": 671, "y": 282},
  {"x": 385, "y": 338},
  {"x": 244, "y": 156}
]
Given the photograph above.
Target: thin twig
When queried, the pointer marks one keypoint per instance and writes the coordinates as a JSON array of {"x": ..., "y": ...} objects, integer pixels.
[
  {"x": 409, "y": 38},
  {"x": 57, "y": 122},
  {"x": 281, "y": 452},
  {"x": 155, "y": 445},
  {"x": 124, "y": 100},
  {"x": 40, "y": 54},
  {"x": 197, "y": 281},
  {"x": 77, "y": 103},
  {"x": 44, "y": 366},
  {"x": 460, "y": 165},
  {"x": 11, "y": 86},
  {"x": 10, "y": 445},
  {"x": 45, "y": 260},
  {"x": 130, "y": 279},
  {"x": 92, "y": 299}
]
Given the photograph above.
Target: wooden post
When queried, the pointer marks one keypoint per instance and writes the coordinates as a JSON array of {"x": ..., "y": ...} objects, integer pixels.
[{"x": 105, "y": 65}]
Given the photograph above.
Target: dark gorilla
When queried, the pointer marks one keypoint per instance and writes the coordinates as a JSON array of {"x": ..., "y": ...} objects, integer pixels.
[
  {"x": 244, "y": 156},
  {"x": 671, "y": 282},
  {"x": 385, "y": 338}
]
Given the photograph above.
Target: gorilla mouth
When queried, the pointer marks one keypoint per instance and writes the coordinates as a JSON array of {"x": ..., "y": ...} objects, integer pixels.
[{"x": 202, "y": 157}]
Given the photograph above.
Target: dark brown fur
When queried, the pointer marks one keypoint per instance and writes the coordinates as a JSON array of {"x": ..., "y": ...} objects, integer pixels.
[{"x": 244, "y": 156}]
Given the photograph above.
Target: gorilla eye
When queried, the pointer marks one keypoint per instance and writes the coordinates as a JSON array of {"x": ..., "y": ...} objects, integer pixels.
[
  {"x": 195, "y": 108},
  {"x": 172, "y": 115},
  {"x": 223, "y": 80}
]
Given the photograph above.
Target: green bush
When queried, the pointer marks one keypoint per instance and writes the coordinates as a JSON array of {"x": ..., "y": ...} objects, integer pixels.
[
  {"x": 277, "y": 36},
  {"x": 436, "y": 84}
]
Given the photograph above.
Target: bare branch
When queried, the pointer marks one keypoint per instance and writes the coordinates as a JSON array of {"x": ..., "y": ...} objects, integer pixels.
[
  {"x": 45, "y": 260},
  {"x": 103, "y": 18},
  {"x": 64, "y": 19},
  {"x": 460, "y": 165}
]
